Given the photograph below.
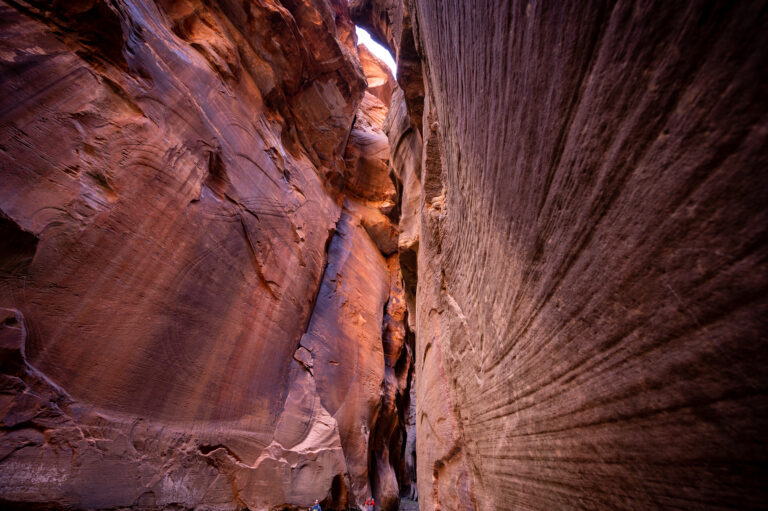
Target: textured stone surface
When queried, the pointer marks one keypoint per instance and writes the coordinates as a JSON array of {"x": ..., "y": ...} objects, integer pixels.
[
  {"x": 405, "y": 159},
  {"x": 214, "y": 249},
  {"x": 367, "y": 155},
  {"x": 390, "y": 23},
  {"x": 591, "y": 305},
  {"x": 171, "y": 177},
  {"x": 592, "y": 265},
  {"x": 381, "y": 83},
  {"x": 344, "y": 338}
]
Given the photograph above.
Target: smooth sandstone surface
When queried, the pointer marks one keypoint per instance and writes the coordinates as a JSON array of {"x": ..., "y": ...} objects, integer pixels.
[
  {"x": 592, "y": 264},
  {"x": 381, "y": 83},
  {"x": 172, "y": 188}
]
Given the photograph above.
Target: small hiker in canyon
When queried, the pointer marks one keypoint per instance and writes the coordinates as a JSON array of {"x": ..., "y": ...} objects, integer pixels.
[
  {"x": 316, "y": 507},
  {"x": 371, "y": 505}
]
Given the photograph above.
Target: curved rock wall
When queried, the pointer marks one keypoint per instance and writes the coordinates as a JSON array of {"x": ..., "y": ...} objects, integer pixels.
[
  {"x": 173, "y": 181},
  {"x": 592, "y": 279}
]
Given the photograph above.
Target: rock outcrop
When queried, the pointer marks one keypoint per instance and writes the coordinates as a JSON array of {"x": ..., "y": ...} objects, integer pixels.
[
  {"x": 588, "y": 218},
  {"x": 197, "y": 229}
]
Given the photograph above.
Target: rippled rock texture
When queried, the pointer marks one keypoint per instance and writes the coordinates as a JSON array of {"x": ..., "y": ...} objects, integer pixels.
[
  {"x": 590, "y": 230},
  {"x": 175, "y": 177}
]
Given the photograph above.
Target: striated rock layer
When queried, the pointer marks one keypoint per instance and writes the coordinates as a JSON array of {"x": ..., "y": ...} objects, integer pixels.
[
  {"x": 175, "y": 176},
  {"x": 586, "y": 219}
]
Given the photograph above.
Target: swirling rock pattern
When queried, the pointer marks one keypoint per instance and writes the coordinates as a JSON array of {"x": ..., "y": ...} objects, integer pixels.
[{"x": 171, "y": 178}]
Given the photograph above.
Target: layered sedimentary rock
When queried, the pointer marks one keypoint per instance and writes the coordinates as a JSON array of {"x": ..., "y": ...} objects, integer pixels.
[
  {"x": 592, "y": 263},
  {"x": 173, "y": 184}
]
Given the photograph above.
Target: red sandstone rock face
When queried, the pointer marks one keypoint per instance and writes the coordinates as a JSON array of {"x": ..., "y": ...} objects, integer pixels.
[
  {"x": 592, "y": 255},
  {"x": 362, "y": 291},
  {"x": 367, "y": 156},
  {"x": 389, "y": 22},
  {"x": 381, "y": 83},
  {"x": 405, "y": 158},
  {"x": 201, "y": 302},
  {"x": 171, "y": 178}
]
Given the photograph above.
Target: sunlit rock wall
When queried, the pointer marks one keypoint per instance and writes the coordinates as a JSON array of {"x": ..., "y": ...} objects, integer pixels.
[{"x": 175, "y": 176}]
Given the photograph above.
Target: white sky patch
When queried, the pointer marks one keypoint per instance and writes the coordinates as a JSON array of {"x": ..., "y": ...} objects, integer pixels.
[{"x": 364, "y": 37}]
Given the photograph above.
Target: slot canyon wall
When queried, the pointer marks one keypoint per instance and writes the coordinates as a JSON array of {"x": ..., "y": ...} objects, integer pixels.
[
  {"x": 200, "y": 294},
  {"x": 234, "y": 252},
  {"x": 584, "y": 228}
]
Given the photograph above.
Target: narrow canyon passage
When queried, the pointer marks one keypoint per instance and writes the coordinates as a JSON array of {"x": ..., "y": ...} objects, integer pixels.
[{"x": 244, "y": 265}]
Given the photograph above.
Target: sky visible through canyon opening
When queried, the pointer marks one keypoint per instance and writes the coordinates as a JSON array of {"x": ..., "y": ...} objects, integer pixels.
[{"x": 365, "y": 38}]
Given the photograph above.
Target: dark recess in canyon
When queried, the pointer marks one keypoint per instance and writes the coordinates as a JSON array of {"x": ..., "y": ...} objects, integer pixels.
[{"x": 243, "y": 266}]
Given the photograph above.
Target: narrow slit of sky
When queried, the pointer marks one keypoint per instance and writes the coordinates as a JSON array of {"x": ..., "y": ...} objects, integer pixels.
[{"x": 364, "y": 37}]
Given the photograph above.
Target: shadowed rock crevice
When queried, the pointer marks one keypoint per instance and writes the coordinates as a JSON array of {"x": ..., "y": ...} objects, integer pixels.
[
  {"x": 94, "y": 27},
  {"x": 17, "y": 249}
]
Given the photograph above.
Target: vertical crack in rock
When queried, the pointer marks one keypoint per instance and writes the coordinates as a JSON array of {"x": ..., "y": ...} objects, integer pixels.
[
  {"x": 332, "y": 233},
  {"x": 409, "y": 477},
  {"x": 354, "y": 344},
  {"x": 388, "y": 438}
]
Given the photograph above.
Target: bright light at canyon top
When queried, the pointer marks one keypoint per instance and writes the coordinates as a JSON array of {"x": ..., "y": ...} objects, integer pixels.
[{"x": 364, "y": 37}]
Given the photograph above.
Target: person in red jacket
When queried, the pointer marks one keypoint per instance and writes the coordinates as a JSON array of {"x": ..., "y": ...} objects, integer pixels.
[{"x": 370, "y": 503}]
